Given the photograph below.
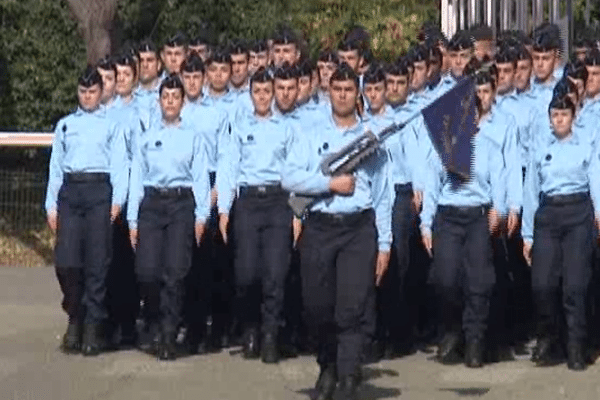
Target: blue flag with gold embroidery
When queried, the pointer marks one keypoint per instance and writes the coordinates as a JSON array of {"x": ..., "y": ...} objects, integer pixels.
[{"x": 451, "y": 122}]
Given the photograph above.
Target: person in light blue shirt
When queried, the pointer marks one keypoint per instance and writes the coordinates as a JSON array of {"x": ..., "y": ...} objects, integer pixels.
[
  {"x": 285, "y": 82},
  {"x": 345, "y": 244},
  {"x": 461, "y": 215},
  {"x": 169, "y": 201},
  {"x": 239, "y": 81},
  {"x": 126, "y": 109},
  {"x": 108, "y": 72},
  {"x": 146, "y": 94},
  {"x": 211, "y": 124},
  {"x": 326, "y": 65},
  {"x": 87, "y": 185},
  {"x": 173, "y": 54},
  {"x": 544, "y": 55},
  {"x": 420, "y": 95},
  {"x": 394, "y": 333},
  {"x": 562, "y": 190},
  {"x": 258, "y": 148},
  {"x": 122, "y": 300}
]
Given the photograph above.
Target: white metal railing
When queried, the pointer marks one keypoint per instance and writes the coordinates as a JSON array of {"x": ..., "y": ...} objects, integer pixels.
[
  {"x": 26, "y": 139},
  {"x": 509, "y": 14}
]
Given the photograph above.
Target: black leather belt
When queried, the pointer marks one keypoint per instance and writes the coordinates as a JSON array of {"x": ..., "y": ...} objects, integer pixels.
[
  {"x": 403, "y": 187},
  {"x": 168, "y": 192},
  {"x": 261, "y": 190},
  {"x": 339, "y": 218},
  {"x": 465, "y": 210},
  {"x": 83, "y": 177},
  {"x": 561, "y": 199}
]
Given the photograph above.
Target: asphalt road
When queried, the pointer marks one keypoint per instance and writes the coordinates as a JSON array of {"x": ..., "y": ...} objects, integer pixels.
[{"x": 31, "y": 367}]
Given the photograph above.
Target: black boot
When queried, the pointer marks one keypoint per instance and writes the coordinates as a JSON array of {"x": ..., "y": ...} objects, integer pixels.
[
  {"x": 166, "y": 349},
  {"x": 251, "y": 347},
  {"x": 543, "y": 354},
  {"x": 349, "y": 388},
  {"x": 575, "y": 357},
  {"x": 474, "y": 354},
  {"x": 93, "y": 340},
  {"x": 269, "y": 351},
  {"x": 448, "y": 349},
  {"x": 71, "y": 341},
  {"x": 326, "y": 383}
]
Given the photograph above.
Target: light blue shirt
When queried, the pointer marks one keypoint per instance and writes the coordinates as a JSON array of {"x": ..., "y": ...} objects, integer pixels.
[
  {"x": 559, "y": 167},
  {"x": 504, "y": 132},
  {"x": 88, "y": 142},
  {"x": 211, "y": 122},
  {"x": 170, "y": 156},
  {"x": 128, "y": 115},
  {"x": 257, "y": 151},
  {"x": 302, "y": 174},
  {"x": 402, "y": 147},
  {"x": 486, "y": 185},
  {"x": 148, "y": 104}
]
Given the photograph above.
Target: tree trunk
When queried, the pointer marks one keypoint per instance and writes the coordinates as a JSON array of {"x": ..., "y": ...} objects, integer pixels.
[{"x": 95, "y": 19}]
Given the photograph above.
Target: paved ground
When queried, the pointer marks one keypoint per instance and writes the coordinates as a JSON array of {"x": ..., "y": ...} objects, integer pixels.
[{"x": 31, "y": 368}]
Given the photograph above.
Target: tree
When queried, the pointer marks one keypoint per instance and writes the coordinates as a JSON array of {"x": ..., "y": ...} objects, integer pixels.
[{"x": 95, "y": 20}]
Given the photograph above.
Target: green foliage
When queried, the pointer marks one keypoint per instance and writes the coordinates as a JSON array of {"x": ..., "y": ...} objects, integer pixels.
[
  {"x": 43, "y": 52},
  {"x": 392, "y": 24}
]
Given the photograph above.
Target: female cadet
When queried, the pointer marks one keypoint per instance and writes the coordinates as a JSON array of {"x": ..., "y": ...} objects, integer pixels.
[
  {"x": 169, "y": 191},
  {"x": 562, "y": 186},
  {"x": 86, "y": 188},
  {"x": 466, "y": 214},
  {"x": 263, "y": 221}
]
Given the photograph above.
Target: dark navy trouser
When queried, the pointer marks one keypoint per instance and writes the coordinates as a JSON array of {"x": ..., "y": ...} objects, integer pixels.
[
  {"x": 164, "y": 253},
  {"x": 83, "y": 245},
  {"x": 562, "y": 249},
  {"x": 464, "y": 271}
]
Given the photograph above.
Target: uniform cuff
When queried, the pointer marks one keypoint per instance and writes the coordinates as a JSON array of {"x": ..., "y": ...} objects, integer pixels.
[
  {"x": 384, "y": 247},
  {"x": 133, "y": 224}
]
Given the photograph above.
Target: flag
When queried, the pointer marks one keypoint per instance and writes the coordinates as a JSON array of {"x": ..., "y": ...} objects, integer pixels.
[{"x": 451, "y": 122}]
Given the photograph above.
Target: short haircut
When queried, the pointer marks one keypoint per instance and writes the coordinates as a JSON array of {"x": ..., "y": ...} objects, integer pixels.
[
  {"x": 419, "y": 54},
  {"x": 485, "y": 77},
  {"x": 576, "y": 70},
  {"x": 563, "y": 87},
  {"x": 107, "y": 64},
  {"x": 147, "y": 46},
  {"x": 259, "y": 46},
  {"x": 462, "y": 40},
  {"x": 285, "y": 72},
  {"x": 400, "y": 68},
  {"x": 193, "y": 63},
  {"x": 261, "y": 76},
  {"x": 237, "y": 47},
  {"x": 304, "y": 68},
  {"x": 285, "y": 36},
  {"x": 561, "y": 102},
  {"x": 219, "y": 56},
  {"x": 177, "y": 40},
  {"x": 126, "y": 60},
  {"x": 329, "y": 56},
  {"x": 345, "y": 73},
  {"x": 349, "y": 45},
  {"x": 374, "y": 75},
  {"x": 171, "y": 82},
  {"x": 90, "y": 77},
  {"x": 506, "y": 55},
  {"x": 522, "y": 53}
]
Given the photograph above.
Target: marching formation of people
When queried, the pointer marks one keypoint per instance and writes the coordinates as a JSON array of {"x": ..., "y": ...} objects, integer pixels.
[{"x": 169, "y": 188}]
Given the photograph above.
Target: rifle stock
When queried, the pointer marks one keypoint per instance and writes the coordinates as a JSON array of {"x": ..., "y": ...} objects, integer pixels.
[{"x": 346, "y": 160}]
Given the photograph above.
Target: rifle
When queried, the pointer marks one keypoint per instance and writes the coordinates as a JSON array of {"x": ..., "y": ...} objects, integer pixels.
[{"x": 347, "y": 160}]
